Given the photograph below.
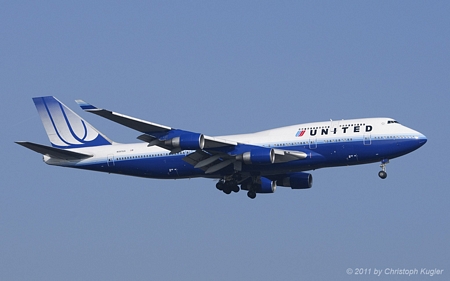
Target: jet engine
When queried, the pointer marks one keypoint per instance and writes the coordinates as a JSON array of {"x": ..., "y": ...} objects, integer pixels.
[
  {"x": 266, "y": 186},
  {"x": 259, "y": 156},
  {"x": 297, "y": 181},
  {"x": 187, "y": 142}
]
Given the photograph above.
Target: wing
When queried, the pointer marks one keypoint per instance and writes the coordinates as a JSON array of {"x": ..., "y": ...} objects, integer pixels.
[
  {"x": 211, "y": 154},
  {"x": 156, "y": 134}
]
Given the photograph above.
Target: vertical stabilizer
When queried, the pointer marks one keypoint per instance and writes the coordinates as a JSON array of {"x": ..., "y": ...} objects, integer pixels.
[{"x": 65, "y": 128}]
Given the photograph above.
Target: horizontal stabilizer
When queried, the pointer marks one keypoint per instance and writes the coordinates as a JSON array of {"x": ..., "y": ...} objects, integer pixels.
[{"x": 54, "y": 152}]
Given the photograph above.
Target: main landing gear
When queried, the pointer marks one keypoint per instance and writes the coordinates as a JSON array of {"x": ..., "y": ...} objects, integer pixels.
[
  {"x": 252, "y": 191},
  {"x": 382, "y": 174},
  {"x": 227, "y": 186},
  {"x": 231, "y": 186}
]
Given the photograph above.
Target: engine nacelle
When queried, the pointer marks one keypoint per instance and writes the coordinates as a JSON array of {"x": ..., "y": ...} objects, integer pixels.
[
  {"x": 297, "y": 181},
  {"x": 259, "y": 156},
  {"x": 266, "y": 186},
  {"x": 187, "y": 142}
]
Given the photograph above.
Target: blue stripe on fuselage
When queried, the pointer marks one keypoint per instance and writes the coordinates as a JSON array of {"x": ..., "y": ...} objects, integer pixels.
[{"x": 325, "y": 155}]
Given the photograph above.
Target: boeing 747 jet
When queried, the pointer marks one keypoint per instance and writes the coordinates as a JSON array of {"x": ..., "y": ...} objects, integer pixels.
[{"x": 256, "y": 162}]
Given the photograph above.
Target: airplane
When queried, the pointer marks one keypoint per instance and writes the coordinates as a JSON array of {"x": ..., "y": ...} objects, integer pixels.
[{"x": 256, "y": 162}]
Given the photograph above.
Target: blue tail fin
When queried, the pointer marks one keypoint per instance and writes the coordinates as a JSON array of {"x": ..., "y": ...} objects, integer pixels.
[{"x": 65, "y": 128}]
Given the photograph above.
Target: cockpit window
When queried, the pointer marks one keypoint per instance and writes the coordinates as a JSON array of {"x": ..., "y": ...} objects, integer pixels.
[{"x": 392, "y": 122}]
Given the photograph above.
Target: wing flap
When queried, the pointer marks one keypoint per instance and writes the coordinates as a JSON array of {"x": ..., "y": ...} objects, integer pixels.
[
  {"x": 209, "y": 161},
  {"x": 219, "y": 166},
  {"x": 196, "y": 157}
]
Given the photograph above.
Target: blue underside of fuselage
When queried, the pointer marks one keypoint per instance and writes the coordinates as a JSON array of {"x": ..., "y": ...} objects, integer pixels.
[{"x": 324, "y": 155}]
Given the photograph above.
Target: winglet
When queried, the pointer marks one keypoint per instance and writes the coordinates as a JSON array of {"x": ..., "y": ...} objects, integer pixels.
[{"x": 85, "y": 106}]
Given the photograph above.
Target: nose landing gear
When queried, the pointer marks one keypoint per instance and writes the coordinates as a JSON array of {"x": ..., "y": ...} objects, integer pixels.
[{"x": 382, "y": 174}]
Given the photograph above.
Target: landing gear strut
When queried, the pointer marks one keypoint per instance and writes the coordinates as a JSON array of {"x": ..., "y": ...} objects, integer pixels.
[
  {"x": 382, "y": 174},
  {"x": 252, "y": 191}
]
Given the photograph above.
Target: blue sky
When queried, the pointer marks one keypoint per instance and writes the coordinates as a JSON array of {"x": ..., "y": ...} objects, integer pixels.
[{"x": 223, "y": 68}]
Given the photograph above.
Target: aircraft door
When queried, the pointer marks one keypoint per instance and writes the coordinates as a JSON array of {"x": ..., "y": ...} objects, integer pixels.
[
  {"x": 367, "y": 139},
  {"x": 312, "y": 143},
  {"x": 110, "y": 160},
  {"x": 334, "y": 125}
]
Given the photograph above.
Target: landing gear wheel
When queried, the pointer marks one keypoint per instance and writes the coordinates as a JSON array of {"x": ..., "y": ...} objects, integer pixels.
[
  {"x": 382, "y": 174},
  {"x": 251, "y": 194},
  {"x": 235, "y": 188},
  {"x": 219, "y": 185},
  {"x": 226, "y": 190}
]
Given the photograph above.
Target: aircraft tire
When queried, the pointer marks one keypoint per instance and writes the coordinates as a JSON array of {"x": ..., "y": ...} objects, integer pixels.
[
  {"x": 382, "y": 174},
  {"x": 219, "y": 185},
  {"x": 251, "y": 194}
]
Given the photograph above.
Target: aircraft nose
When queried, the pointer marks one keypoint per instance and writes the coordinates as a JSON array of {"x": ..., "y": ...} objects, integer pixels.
[{"x": 422, "y": 139}]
